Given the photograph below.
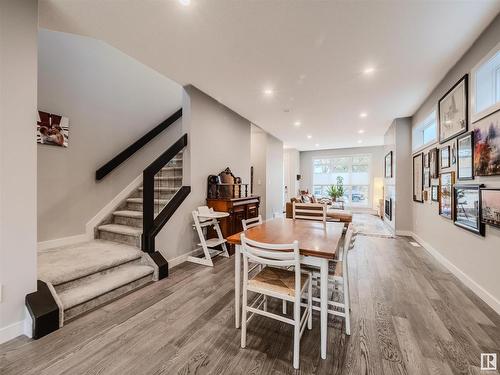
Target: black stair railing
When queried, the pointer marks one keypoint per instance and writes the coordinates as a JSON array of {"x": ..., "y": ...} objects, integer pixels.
[
  {"x": 153, "y": 224},
  {"x": 107, "y": 168}
]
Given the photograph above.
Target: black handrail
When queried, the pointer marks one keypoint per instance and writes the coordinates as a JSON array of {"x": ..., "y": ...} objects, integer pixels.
[
  {"x": 136, "y": 146},
  {"x": 151, "y": 225}
]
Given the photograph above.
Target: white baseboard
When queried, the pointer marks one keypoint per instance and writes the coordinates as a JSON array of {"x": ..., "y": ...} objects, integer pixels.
[
  {"x": 487, "y": 297},
  {"x": 11, "y": 331},
  {"x": 50, "y": 244},
  {"x": 182, "y": 258},
  {"x": 111, "y": 206},
  {"x": 404, "y": 233}
]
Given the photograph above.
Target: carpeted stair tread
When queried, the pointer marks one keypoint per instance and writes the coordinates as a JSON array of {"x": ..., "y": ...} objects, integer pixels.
[
  {"x": 129, "y": 213},
  {"x": 121, "y": 229},
  {"x": 162, "y": 188},
  {"x": 86, "y": 291},
  {"x": 139, "y": 200},
  {"x": 67, "y": 263}
]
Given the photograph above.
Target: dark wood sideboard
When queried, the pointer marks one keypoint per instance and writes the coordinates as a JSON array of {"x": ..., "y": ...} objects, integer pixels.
[{"x": 238, "y": 209}]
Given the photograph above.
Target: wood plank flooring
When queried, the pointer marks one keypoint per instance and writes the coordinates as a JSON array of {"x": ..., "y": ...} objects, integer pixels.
[{"x": 409, "y": 316}]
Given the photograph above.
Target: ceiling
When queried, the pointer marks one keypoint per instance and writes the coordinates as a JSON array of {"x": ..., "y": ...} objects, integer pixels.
[{"x": 310, "y": 54}]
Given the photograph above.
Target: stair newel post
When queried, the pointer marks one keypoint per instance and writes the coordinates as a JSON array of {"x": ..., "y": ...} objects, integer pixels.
[{"x": 148, "y": 212}]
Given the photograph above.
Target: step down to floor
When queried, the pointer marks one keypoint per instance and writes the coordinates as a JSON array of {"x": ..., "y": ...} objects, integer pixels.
[
  {"x": 105, "y": 284},
  {"x": 63, "y": 264}
]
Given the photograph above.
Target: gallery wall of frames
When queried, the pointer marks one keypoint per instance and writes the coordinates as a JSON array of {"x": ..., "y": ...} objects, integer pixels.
[{"x": 448, "y": 172}]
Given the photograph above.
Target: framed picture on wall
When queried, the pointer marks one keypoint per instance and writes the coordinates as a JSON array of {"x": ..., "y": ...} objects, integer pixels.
[
  {"x": 434, "y": 163},
  {"x": 486, "y": 146},
  {"x": 465, "y": 153},
  {"x": 446, "y": 181},
  {"x": 418, "y": 177},
  {"x": 52, "y": 129},
  {"x": 435, "y": 193},
  {"x": 426, "y": 160},
  {"x": 453, "y": 111},
  {"x": 444, "y": 157},
  {"x": 490, "y": 207},
  {"x": 427, "y": 178},
  {"x": 467, "y": 208},
  {"x": 388, "y": 165}
]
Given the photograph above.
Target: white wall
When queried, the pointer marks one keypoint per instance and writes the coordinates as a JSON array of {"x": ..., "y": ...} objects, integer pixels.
[
  {"x": 473, "y": 258},
  {"x": 274, "y": 171},
  {"x": 267, "y": 161},
  {"x": 18, "y": 80},
  {"x": 111, "y": 100},
  {"x": 291, "y": 161},
  {"x": 217, "y": 138},
  {"x": 399, "y": 188},
  {"x": 306, "y": 164}
]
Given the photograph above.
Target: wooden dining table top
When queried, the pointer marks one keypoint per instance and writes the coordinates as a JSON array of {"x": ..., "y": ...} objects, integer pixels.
[{"x": 315, "y": 238}]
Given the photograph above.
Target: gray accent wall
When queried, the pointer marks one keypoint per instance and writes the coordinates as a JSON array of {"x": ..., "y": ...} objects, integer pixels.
[
  {"x": 475, "y": 259},
  {"x": 18, "y": 77},
  {"x": 217, "y": 138},
  {"x": 111, "y": 100}
]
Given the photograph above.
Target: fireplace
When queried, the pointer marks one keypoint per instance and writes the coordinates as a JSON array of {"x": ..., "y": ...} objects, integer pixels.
[{"x": 388, "y": 208}]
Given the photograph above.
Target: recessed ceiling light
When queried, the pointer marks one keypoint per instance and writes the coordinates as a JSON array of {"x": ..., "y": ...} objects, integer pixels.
[
  {"x": 185, "y": 2},
  {"x": 363, "y": 114},
  {"x": 297, "y": 123},
  {"x": 268, "y": 92},
  {"x": 360, "y": 141},
  {"x": 309, "y": 136},
  {"x": 361, "y": 131},
  {"x": 368, "y": 70}
]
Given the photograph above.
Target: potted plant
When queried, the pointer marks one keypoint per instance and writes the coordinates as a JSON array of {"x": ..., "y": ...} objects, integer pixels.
[{"x": 336, "y": 191}]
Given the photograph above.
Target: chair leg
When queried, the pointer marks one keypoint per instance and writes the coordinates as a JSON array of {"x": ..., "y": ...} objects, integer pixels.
[
  {"x": 284, "y": 306},
  {"x": 296, "y": 334},
  {"x": 244, "y": 318},
  {"x": 347, "y": 307},
  {"x": 309, "y": 304}
]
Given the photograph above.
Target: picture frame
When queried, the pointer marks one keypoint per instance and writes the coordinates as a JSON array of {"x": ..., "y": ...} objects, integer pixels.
[
  {"x": 490, "y": 206},
  {"x": 427, "y": 178},
  {"x": 434, "y": 162},
  {"x": 465, "y": 157},
  {"x": 453, "y": 153},
  {"x": 446, "y": 182},
  {"x": 486, "y": 141},
  {"x": 388, "y": 165},
  {"x": 453, "y": 111},
  {"x": 435, "y": 193},
  {"x": 52, "y": 129},
  {"x": 467, "y": 208},
  {"x": 444, "y": 157},
  {"x": 426, "y": 160},
  {"x": 418, "y": 177}
]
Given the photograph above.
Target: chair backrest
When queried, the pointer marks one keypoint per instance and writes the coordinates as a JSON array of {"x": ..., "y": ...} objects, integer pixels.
[
  {"x": 309, "y": 211},
  {"x": 249, "y": 223},
  {"x": 278, "y": 255},
  {"x": 343, "y": 250}
]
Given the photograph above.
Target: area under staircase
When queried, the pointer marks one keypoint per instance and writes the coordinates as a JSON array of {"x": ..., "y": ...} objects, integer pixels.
[{"x": 77, "y": 278}]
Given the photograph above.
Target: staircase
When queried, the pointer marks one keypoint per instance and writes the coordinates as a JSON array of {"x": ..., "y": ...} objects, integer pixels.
[{"x": 77, "y": 278}]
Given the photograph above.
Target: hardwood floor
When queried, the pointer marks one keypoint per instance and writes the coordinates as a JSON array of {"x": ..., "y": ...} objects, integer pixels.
[{"x": 409, "y": 316}]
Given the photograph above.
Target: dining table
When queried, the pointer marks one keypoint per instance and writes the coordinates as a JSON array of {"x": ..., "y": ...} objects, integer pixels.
[{"x": 318, "y": 244}]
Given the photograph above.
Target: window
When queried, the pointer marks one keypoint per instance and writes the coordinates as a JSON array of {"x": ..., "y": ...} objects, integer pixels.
[
  {"x": 425, "y": 133},
  {"x": 355, "y": 171},
  {"x": 486, "y": 85}
]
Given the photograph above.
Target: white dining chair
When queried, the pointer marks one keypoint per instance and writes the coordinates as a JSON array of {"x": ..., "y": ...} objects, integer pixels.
[
  {"x": 278, "y": 283},
  {"x": 338, "y": 278},
  {"x": 252, "y": 222},
  {"x": 309, "y": 211}
]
